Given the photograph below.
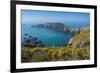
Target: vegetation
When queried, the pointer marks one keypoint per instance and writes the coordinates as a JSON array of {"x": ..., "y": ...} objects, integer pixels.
[
  {"x": 83, "y": 35},
  {"x": 78, "y": 48},
  {"x": 81, "y": 40},
  {"x": 54, "y": 54}
]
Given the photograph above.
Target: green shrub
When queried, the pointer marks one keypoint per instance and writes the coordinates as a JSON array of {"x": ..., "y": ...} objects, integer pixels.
[
  {"x": 54, "y": 54},
  {"x": 39, "y": 58},
  {"x": 25, "y": 55}
]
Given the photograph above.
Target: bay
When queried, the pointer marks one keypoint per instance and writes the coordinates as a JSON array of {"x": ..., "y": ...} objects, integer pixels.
[{"x": 48, "y": 36}]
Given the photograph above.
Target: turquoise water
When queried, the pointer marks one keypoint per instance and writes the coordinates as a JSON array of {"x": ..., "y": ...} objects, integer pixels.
[{"x": 48, "y": 36}]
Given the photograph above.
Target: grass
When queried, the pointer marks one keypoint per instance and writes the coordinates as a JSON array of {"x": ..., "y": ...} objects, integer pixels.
[
  {"x": 81, "y": 40},
  {"x": 54, "y": 54},
  {"x": 84, "y": 35}
]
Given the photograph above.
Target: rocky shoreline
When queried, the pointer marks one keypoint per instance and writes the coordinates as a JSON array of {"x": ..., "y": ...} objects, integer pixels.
[{"x": 30, "y": 41}]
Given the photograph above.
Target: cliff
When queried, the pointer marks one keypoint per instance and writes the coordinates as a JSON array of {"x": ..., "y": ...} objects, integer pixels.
[
  {"x": 82, "y": 40},
  {"x": 55, "y": 26}
]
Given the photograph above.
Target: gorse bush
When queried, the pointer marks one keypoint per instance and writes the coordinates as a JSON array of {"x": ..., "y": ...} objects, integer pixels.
[
  {"x": 54, "y": 54},
  {"x": 25, "y": 55}
]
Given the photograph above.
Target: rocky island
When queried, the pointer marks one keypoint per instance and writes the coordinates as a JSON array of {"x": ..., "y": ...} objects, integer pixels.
[{"x": 55, "y": 26}]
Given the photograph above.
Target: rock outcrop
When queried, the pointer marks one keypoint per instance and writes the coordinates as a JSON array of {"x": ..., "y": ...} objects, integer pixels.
[{"x": 30, "y": 41}]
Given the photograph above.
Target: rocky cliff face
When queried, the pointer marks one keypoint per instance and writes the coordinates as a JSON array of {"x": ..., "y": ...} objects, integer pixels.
[
  {"x": 82, "y": 40},
  {"x": 58, "y": 26}
]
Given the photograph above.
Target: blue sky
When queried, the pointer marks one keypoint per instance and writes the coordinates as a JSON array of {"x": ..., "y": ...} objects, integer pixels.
[{"x": 38, "y": 17}]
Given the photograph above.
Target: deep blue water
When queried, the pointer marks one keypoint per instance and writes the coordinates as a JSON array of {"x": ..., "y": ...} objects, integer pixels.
[{"x": 48, "y": 37}]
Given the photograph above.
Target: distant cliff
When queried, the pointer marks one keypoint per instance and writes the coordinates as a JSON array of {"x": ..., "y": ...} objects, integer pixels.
[
  {"x": 76, "y": 31},
  {"x": 55, "y": 26}
]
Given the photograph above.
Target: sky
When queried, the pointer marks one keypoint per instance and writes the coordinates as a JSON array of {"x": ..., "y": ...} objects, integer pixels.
[{"x": 40, "y": 17}]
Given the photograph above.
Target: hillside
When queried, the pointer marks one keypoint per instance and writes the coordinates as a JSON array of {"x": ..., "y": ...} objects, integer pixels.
[{"x": 81, "y": 40}]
